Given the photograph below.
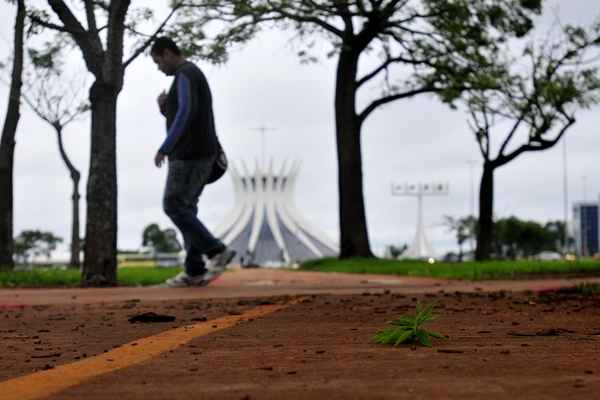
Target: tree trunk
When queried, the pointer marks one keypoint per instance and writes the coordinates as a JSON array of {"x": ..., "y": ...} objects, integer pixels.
[
  {"x": 7, "y": 144},
  {"x": 354, "y": 238},
  {"x": 75, "y": 177},
  {"x": 486, "y": 212},
  {"x": 75, "y": 238},
  {"x": 100, "y": 261}
]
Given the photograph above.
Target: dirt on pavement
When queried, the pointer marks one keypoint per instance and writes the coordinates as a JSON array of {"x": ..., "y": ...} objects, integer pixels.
[
  {"x": 263, "y": 282},
  {"x": 501, "y": 345}
]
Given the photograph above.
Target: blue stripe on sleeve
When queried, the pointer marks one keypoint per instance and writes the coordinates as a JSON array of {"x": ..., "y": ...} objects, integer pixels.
[{"x": 182, "y": 117}]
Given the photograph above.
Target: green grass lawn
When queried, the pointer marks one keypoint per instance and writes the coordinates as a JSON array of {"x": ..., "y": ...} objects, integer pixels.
[
  {"x": 465, "y": 270},
  {"x": 140, "y": 276},
  {"x": 49, "y": 277}
]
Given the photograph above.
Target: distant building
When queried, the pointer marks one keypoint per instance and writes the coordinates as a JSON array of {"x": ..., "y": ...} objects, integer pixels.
[
  {"x": 265, "y": 228},
  {"x": 585, "y": 228}
]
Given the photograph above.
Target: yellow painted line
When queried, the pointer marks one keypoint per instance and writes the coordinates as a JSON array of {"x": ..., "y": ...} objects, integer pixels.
[{"x": 43, "y": 384}]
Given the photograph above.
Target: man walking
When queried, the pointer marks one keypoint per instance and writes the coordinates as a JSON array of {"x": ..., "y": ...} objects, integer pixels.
[{"x": 191, "y": 146}]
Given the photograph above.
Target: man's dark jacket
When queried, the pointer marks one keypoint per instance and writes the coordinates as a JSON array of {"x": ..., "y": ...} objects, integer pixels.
[{"x": 190, "y": 121}]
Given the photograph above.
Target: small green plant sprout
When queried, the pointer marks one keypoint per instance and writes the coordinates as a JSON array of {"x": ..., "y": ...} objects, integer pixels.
[
  {"x": 588, "y": 289},
  {"x": 408, "y": 328}
]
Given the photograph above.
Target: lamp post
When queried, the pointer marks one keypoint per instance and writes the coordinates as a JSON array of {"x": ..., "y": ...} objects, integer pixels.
[
  {"x": 565, "y": 198},
  {"x": 420, "y": 248},
  {"x": 472, "y": 164}
]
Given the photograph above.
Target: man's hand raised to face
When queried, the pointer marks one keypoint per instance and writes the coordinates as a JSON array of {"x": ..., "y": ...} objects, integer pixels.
[{"x": 159, "y": 159}]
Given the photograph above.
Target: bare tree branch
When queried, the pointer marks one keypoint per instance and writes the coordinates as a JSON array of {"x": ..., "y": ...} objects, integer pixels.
[
  {"x": 510, "y": 135},
  {"x": 387, "y": 63},
  {"x": 388, "y": 99},
  {"x": 38, "y": 21},
  {"x": 544, "y": 145},
  {"x": 91, "y": 16},
  {"x": 90, "y": 45},
  {"x": 306, "y": 18},
  {"x": 114, "y": 39},
  {"x": 149, "y": 41},
  {"x": 478, "y": 130}
]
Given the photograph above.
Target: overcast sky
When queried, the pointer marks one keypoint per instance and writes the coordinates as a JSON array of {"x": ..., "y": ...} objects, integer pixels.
[{"x": 264, "y": 84}]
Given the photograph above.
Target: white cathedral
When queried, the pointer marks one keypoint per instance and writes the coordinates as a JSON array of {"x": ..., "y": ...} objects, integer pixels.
[{"x": 265, "y": 228}]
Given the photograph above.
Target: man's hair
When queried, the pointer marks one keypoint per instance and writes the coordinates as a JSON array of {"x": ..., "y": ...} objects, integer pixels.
[{"x": 164, "y": 43}]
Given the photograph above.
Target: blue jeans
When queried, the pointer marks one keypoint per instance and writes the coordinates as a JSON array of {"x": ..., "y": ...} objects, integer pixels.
[{"x": 185, "y": 181}]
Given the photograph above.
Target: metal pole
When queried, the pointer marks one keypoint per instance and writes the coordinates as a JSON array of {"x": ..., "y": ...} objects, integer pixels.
[
  {"x": 420, "y": 228},
  {"x": 584, "y": 230},
  {"x": 471, "y": 199},
  {"x": 420, "y": 246},
  {"x": 565, "y": 197},
  {"x": 584, "y": 224},
  {"x": 471, "y": 187}
]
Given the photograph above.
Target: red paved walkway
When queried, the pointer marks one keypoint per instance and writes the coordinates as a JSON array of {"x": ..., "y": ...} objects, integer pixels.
[{"x": 265, "y": 282}]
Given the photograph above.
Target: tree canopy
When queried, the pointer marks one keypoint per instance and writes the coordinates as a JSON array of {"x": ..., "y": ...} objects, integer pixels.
[
  {"x": 530, "y": 106},
  {"x": 443, "y": 43},
  {"x": 33, "y": 243},
  {"x": 540, "y": 96},
  {"x": 515, "y": 238},
  {"x": 161, "y": 241}
]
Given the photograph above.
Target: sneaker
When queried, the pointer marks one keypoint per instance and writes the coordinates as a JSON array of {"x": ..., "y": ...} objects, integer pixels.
[
  {"x": 217, "y": 265},
  {"x": 182, "y": 279}
]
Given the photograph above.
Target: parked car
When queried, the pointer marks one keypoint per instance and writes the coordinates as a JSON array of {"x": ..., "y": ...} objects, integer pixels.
[{"x": 548, "y": 256}]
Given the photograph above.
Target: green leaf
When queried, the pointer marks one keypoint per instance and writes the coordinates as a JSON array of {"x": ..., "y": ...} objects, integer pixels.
[
  {"x": 403, "y": 321},
  {"x": 403, "y": 337},
  {"x": 423, "y": 338},
  {"x": 436, "y": 335},
  {"x": 425, "y": 313},
  {"x": 384, "y": 336}
]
